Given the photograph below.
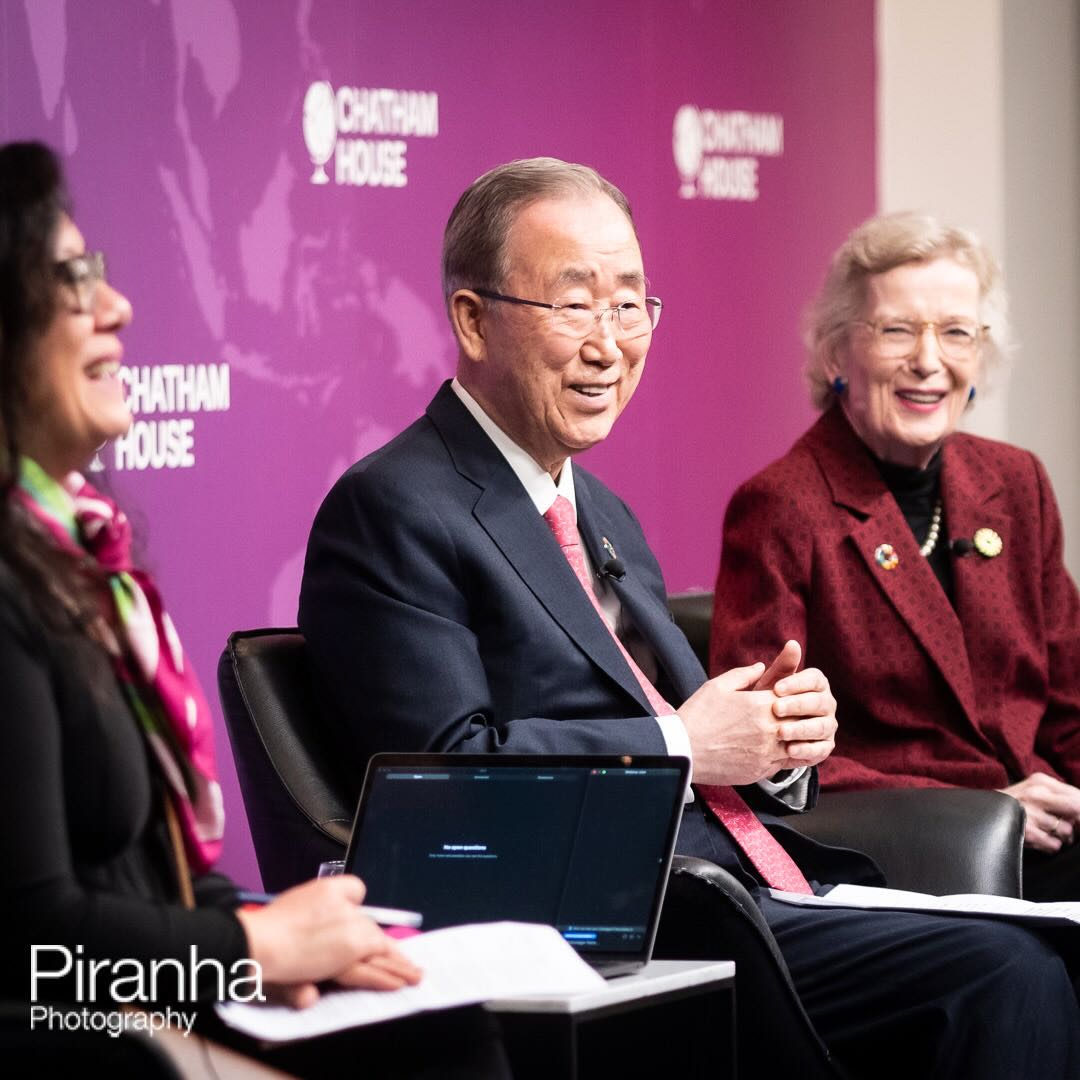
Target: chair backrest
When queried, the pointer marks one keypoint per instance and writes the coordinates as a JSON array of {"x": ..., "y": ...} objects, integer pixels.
[
  {"x": 692, "y": 612},
  {"x": 298, "y": 795}
]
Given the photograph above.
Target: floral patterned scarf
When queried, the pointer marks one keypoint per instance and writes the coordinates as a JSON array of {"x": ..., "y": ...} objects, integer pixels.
[{"x": 150, "y": 664}]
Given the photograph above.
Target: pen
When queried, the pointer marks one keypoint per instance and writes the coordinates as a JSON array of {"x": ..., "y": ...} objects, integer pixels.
[{"x": 384, "y": 916}]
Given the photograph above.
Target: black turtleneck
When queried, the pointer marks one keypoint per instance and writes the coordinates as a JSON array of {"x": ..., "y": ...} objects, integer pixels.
[{"x": 915, "y": 491}]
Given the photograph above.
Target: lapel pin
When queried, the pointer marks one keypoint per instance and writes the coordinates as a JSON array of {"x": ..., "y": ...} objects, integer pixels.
[
  {"x": 613, "y": 568},
  {"x": 988, "y": 543},
  {"x": 885, "y": 556}
]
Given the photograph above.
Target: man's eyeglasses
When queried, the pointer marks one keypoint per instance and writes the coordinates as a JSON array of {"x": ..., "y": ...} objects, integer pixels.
[
  {"x": 630, "y": 319},
  {"x": 898, "y": 339},
  {"x": 82, "y": 274}
]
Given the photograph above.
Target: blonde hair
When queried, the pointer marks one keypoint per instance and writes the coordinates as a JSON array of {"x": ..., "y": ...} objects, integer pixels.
[{"x": 880, "y": 244}]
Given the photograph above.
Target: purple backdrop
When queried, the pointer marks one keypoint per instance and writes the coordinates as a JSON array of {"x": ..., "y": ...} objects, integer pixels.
[{"x": 284, "y": 328}]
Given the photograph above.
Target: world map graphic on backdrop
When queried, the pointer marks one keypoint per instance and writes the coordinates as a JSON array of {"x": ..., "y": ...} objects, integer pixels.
[
  {"x": 262, "y": 263},
  {"x": 285, "y": 327}
]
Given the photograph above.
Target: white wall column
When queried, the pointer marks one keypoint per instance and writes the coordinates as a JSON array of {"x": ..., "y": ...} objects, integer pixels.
[
  {"x": 979, "y": 124},
  {"x": 1042, "y": 240}
]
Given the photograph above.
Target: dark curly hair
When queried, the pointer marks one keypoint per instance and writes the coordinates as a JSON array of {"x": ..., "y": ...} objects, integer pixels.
[{"x": 33, "y": 200}]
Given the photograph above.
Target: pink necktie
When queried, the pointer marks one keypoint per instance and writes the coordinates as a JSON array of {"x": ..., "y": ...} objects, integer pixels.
[{"x": 773, "y": 863}]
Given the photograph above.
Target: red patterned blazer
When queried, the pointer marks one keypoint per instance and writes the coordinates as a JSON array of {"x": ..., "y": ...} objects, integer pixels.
[{"x": 980, "y": 695}]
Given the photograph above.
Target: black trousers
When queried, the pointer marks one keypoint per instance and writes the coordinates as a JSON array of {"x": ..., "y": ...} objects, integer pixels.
[{"x": 904, "y": 995}]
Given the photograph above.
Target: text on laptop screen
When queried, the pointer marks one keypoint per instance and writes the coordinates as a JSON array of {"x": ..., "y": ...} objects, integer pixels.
[{"x": 575, "y": 847}]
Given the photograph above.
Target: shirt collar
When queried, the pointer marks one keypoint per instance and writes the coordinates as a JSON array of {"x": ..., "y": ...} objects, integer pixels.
[{"x": 537, "y": 481}]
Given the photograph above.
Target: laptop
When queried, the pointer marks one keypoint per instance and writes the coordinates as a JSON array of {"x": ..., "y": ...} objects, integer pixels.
[{"x": 583, "y": 844}]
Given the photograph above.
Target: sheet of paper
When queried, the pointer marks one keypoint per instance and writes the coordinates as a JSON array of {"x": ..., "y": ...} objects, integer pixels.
[
  {"x": 1008, "y": 907},
  {"x": 461, "y": 965}
]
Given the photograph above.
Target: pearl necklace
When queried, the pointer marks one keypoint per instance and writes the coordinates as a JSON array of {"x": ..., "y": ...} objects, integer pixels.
[{"x": 932, "y": 535}]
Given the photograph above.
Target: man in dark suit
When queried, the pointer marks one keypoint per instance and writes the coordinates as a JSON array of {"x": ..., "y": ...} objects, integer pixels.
[{"x": 443, "y": 614}]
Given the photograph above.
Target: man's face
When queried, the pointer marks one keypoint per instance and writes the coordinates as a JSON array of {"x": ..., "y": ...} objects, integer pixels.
[{"x": 555, "y": 393}]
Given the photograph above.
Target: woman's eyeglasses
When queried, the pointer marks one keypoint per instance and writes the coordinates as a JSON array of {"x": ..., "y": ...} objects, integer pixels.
[
  {"x": 82, "y": 274},
  {"x": 899, "y": 339}
]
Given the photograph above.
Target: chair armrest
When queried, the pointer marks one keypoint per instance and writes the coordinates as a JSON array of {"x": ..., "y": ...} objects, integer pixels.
[
  {"x": 709, "y": 915},
  {"x": 932, "y": 840}
]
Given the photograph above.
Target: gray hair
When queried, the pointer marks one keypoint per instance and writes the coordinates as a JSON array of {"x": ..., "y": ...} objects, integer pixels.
[
  {"x": 474, "y": 244},
  {"x": 883, "y": 243}
]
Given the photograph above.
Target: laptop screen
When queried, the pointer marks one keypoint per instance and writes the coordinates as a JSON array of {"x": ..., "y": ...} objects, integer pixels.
[{"x": 581, "y": 843}]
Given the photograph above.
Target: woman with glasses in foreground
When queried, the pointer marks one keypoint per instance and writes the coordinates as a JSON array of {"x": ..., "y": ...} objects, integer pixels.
[
  {"x": 110, "y": 811},
  {"x": 922, "y": 567}
]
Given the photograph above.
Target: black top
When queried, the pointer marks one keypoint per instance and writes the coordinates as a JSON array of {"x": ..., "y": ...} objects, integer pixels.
[
  {"x": 84, "y": 851},
  {"x": 915, "y": 491}
]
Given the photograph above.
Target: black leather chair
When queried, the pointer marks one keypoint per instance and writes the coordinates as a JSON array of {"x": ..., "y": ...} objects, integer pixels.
[
  {"x": 692, "y": 612},
  {"x": 299, "y": 803},
  {"x": 298, "y": 796},
  {"x": 300, "y": 799},
  {"x": 977, "y": 846}
]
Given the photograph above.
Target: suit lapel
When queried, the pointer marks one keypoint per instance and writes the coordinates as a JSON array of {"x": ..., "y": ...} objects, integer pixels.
[
  {"x": 973, "y": 500},
  {"x": 652, "y": 621},
  {"x": 910, "y": 587},
  {"x": 505, "y": 512}
]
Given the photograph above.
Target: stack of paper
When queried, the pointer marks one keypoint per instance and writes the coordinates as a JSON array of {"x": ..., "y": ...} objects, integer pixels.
[
  {"x": 461, "y": 965},
  {"x": 1027, "y": 912}
]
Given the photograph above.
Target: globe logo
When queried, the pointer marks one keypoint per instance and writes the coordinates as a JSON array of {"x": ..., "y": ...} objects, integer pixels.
[
  {"x": 320, "y": 128},
  {"x": 688, "y": 146}
]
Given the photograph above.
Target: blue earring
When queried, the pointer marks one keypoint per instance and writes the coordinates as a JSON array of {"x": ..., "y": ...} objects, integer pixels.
[
  {"x": 839, "y": 385},
  {"x": 971, "y": 395}
]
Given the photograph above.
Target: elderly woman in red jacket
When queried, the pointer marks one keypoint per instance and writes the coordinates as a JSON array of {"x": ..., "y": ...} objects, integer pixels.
[{"x": 922, "y": 567}]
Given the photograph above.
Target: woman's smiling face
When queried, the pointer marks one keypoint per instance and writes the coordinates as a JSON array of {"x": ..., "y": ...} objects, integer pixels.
[
  {"x": 76, "y": 400},
  {"x": 904, "y": 409}
]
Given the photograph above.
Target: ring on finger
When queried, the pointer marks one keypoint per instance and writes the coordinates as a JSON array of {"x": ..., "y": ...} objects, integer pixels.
[{"x": 1054, "y": 828}]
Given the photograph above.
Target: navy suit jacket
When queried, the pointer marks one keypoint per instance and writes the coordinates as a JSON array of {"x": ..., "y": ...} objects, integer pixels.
[{"x": 441, "y": 615}]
